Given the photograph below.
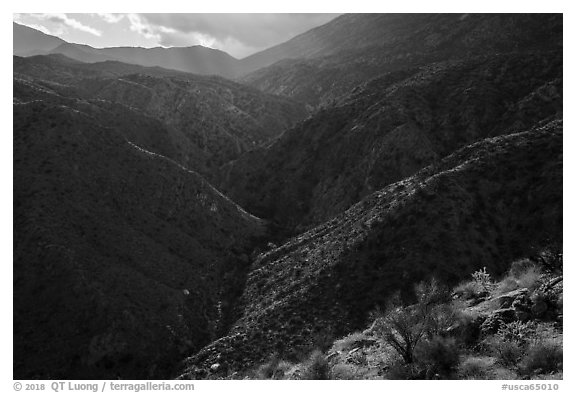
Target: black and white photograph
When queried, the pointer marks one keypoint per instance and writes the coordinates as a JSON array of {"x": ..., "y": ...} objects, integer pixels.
[{"x": 287, "y": 196}]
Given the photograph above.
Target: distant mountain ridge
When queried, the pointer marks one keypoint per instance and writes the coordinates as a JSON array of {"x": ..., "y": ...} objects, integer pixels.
[
  {"x": 28, "y": 41},
  {"x": 368, "y": 39},
  {"x": 208, "y": 120},
  {"x": 324, "y": 64},
  {"x": 196, "y": 59}
]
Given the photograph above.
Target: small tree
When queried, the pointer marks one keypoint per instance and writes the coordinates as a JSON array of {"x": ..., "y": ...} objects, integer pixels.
[{"x": 403, "y": 327}]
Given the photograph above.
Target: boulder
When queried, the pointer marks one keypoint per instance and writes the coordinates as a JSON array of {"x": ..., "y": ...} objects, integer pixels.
[{"x": 507, "y": 299}]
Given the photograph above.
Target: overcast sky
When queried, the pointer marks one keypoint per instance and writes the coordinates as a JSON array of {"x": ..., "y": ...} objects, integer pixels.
[{"x": 238, "y": 34}]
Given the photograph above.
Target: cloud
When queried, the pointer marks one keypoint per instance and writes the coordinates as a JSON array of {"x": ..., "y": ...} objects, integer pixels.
[
  {"x": 238, "y": 34},
  {"x": 63, "y": 20},
  {"x": 112, "y": 18},
  {"x": 139, "y": 25}
]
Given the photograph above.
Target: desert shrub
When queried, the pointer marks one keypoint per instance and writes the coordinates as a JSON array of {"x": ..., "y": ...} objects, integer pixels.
[
  {"x": 474, "y": 368},
  {"x": 523, "y": 273},
  {"x": 470, "y": 290},
  {"x": 483, "y": 278},
  {"x": 520, "y": 266},
  {"x": 431, "y": 293},
  {"x": 273, "y": 369},
  {"x": 509, "y": 343},
  {"x": 517, "y": 331},
  {"x": 349, "y": 342},
  {"x": 551, "y": 260},
  {"x": 358, "y": 357},
  {"x": 316, "y": 367},
  {"x": 439, "y": 356},
  {"x": 507, "y": 353},
  {"x": 542, "y": 356},
  {"x": 401, "y": 371},
  {"x": 491, "y": 324},
  {"x": 402, "y": 327},
  {"x": 530, "y": 278},
  {"x": 468, "y": 326},
  {"x": 343, "y": 371},
  {"x": 441, "y": 317},
  {"x": 506, "y": 285}
]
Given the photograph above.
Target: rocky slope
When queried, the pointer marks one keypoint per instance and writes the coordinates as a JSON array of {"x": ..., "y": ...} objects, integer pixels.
[
  {"x": 327, "y": 62},
  {"x": 210, "y": 120},
  {"x": 478, "y": 207},
  {"x": 506, "y": 328},
  {"x": 124, "y": 261},
  {"x": 390, "y": 127}
]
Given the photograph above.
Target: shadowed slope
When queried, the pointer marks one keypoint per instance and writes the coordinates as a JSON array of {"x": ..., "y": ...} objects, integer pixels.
[
  {"x": 389, "y": 128},
  {"x": 119, "y": 254},
  {"x": 485, "y": 204},
  {"x": 211, "y": 120}
]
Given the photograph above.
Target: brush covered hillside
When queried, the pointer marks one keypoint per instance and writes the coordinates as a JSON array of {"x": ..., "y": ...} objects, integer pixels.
[
  {"x": 481, "y": 206},
  {"x": 207, "y": 121},
  {"x": 195, "y": 59},
  {"x": 324, "y": 64},
  {"x": 389, "y": 128},
  {"x": 124, "y": 261},
  {"x": 169, "y": 224},
  {"x": 483, "y": 328}
]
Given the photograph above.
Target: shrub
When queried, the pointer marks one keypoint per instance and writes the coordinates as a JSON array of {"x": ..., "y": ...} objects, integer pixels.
[
  {"x": 469, "y": 290},
  {"x": 441, "y": 317},
  {"x": 439, "y": 356},
  {"x": 520, "y": 266},
  {"x": 358, "y": 357},
  {"x": 543, "y": 356},
  {"x": 523, "y": 273},
  {"x": 468, "y": 327},
  {"x": 475, "y": 368},
  {"x": 530, "y": 278},
  {"x": 482, "y": 278},
  {"x": 517, "y": 331},
  {"x": 551, "y": 260},
  {"x": 507, "y": 353},
  {"x": 403, "y": 327},
  {"x": 343, "y": 371},
  {"x": 402, "y": 371},
  {"x": 273, "y": 369},
  {"x": 506, "y": 285},
  {"x": 349, "y": 342},
  {"x": 316, "y": 367}
]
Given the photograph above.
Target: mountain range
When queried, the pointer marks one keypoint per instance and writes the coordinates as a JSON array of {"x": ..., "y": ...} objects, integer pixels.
[
  {"x": 181, "y": 213},
  {"x": 205, "y": 121}
]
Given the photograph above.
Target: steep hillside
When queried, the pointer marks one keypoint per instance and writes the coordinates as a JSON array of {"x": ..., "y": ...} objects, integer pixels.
[
  {"x": 484, "y": 205},
  {"x": 124, "y": 261},
  {"x": 327, "y": 62},
  {"x": 389, "y": 128},
  {"x": 211, "y": 120}
]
